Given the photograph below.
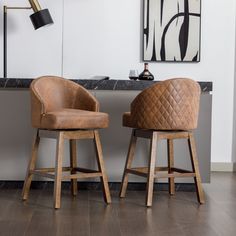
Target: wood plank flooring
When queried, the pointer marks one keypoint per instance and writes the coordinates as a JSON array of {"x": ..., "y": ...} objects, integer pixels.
[{"x": 87, "y": 215}]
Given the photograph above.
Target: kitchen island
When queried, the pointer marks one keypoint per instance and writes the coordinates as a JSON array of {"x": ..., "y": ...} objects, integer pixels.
[{"x": 115, "y": 97}]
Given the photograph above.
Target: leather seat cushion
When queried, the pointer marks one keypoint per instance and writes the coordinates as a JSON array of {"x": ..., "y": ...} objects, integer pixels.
[{"x": 74, "y": 119}]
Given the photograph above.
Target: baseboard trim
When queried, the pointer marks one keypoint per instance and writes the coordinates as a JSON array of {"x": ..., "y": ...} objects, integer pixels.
[
  {"x": 223, "y": 166},
  {"x": 115, "y": 186}
]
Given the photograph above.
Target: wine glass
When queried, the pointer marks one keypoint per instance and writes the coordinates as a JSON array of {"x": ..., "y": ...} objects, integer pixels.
[{"x": 133, "y": 74}]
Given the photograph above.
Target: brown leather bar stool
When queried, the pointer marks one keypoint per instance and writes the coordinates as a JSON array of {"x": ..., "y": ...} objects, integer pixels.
[
  {"x": 61, "y": 110},
  {"x": 166, "y": 110}
]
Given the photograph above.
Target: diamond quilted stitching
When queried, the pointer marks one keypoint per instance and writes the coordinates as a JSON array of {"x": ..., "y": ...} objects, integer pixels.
[{"x": 168, "y": 105}]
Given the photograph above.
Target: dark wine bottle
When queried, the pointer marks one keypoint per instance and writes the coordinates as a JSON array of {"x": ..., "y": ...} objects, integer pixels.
[{"x": 146, "y": 74}]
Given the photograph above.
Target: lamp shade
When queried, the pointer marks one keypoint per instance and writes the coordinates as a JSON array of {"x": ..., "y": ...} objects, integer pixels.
[{"x": 41, "y": 18}]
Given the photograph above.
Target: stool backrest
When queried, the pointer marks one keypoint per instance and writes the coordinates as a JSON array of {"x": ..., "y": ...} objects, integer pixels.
[
  {"x": 168, "y": 105},
  {"x": 50, "y": 93}
]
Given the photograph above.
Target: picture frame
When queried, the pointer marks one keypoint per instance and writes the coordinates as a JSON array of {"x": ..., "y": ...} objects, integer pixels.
[{"x": 171, "y": 30}]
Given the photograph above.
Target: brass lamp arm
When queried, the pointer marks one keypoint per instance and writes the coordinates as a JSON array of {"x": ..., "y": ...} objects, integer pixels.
[
  {"x": 33, "y": 3},
  {"x": 6, "y": 7}
]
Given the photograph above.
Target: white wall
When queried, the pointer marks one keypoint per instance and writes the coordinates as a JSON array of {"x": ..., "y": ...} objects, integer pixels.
[
  {"x": 32, "y": 53},
  {"x": 102, "y": 37}
]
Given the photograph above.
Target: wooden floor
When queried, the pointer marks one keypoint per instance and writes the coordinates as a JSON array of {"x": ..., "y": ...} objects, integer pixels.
[{"x": 88, "y": 215}]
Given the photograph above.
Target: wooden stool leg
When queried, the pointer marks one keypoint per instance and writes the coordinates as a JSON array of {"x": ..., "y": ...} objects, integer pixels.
[
  {"x": 73, "y": 164},
  {"x": 58, "y": 171},
  {"x": 101, "y": 167},
  {"x": 151, "y": 169},
  {"x": 170, "y": 144},
  {"x": 129, "y": 159},
  {"x": 195, "y": 166},
  {"x": 31, "y": 166}
]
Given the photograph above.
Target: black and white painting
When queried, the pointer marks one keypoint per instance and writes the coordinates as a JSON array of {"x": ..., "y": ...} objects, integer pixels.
[{"x": 172, "y": 30}]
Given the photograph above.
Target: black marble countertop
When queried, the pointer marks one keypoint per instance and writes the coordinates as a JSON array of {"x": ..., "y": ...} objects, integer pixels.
[{"x": 92, "y": 84}]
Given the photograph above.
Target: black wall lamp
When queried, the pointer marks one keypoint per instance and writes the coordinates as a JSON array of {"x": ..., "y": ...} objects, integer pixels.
[{"x": 40, "y": 18}]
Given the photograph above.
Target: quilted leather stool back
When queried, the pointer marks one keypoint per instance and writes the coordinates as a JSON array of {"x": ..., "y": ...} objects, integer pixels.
[{"x": 169, "y": 105}]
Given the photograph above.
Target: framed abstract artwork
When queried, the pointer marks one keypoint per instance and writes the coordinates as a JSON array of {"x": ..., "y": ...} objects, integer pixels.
[{"x": 171, "y": 30}]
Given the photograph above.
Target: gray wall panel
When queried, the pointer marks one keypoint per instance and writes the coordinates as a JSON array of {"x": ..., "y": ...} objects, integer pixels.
[{"x": 16, "y": 137}]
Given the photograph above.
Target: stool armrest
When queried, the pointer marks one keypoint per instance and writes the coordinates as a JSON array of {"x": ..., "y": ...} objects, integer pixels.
[
  {"x": 37, "y": 107},
  {"x": 85, "y": 100}
]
